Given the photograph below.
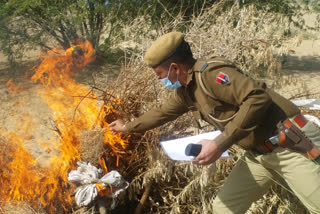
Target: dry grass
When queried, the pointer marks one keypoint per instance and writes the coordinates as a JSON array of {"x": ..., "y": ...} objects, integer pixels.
[
  {"x": 18, "y": 207},
  {"x": 92, "y": 146},
  {"x": 253, "y": 39}
]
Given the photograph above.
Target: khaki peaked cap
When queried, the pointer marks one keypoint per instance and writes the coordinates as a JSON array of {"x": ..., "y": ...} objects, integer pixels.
[{"x": 163, "y": 48}]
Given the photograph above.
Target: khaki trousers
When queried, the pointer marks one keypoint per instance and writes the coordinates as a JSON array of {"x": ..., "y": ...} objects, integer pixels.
[{"x": 254, "y": 174}]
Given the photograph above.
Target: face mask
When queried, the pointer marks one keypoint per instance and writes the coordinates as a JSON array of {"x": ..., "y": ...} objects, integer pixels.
[{"x": 168, "y": 83}]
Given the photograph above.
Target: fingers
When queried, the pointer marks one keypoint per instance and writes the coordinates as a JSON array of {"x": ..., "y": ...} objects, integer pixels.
[
  {"x": 117, "y": 126},
  {"x": 200, "y": 162},
  {"x": 199, "y": 159},
  {"x": 195, "y": 161},
  {"x": 203, "y": 158},
  {"x": 112, "y": 127}
]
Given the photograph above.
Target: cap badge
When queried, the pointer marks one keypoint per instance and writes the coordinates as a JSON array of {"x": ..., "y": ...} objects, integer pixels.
[{"x": 222, "y": 79}]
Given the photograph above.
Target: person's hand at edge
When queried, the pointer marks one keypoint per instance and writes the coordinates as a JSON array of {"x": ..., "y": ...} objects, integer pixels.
[
  {"x": 117, "y": 126},
  {"x": 209, "y": 153}
]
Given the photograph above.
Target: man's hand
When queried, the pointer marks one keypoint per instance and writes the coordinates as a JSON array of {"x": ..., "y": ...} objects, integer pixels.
[
  {"x": 209, "y": 152},
  {"x": 117, "y": 126}
]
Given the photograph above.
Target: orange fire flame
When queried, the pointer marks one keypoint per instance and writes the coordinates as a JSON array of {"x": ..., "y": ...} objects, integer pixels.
[{"x": 22, "y": 179}]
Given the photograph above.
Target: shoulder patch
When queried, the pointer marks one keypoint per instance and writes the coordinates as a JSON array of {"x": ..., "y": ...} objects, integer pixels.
[{"x": 222, "y": 79}]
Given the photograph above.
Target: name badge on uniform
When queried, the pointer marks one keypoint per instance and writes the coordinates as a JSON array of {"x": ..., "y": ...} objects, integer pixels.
[{"x": 222, "y": 79}]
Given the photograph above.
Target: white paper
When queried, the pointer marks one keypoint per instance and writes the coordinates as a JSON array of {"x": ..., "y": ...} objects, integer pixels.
[{"x": 175, "y": 149}]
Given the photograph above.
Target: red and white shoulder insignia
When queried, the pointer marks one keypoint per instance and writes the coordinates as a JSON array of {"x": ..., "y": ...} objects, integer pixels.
[{"x": 222, "y": 79}]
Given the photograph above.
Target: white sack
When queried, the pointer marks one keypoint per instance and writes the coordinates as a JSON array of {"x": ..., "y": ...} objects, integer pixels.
[
  {"x": 112, "y": 178},
  {"x": 85, "y": 173},
  {"x": 86, "y": 194},
  {"x": 88, "y": 176}
]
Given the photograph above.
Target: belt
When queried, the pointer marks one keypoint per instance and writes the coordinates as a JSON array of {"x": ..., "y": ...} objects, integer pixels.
[
  {"x": 269, "y": 145},
  {"x": 280, "y": 140}
]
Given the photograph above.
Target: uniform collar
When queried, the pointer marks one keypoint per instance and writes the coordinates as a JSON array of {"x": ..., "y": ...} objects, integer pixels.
[{"x": 196, "y": 68}]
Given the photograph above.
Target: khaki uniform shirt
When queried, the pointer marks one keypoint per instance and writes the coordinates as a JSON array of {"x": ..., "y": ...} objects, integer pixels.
[{"x": 245, "y": 110}]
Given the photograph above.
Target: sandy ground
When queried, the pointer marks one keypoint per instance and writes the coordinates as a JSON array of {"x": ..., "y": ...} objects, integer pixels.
[
  {"x": 304, "y": 65},
  {"x": 26, "y": 114}
]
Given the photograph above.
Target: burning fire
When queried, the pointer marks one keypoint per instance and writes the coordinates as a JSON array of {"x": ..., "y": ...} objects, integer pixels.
[{"x": 22, "y": 178}]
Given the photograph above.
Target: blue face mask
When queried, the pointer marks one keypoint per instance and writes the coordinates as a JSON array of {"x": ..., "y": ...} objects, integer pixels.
[{"x": 168, "y": 83}]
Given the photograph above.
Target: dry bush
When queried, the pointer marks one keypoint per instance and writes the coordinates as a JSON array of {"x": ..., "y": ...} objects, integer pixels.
[
  {"x": 253, "y": 39},
  {"x": 92, "y": 146}
]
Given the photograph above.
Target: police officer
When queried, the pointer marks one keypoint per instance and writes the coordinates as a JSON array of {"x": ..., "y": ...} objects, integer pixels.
[{"x": 246, "y": 112}]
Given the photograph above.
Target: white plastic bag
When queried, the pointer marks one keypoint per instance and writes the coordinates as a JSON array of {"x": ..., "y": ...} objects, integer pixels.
[
  {"x": 86, "y": 194},
  {"x": 88, "y": 176},
  {"x": 85, "y": 173}
]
